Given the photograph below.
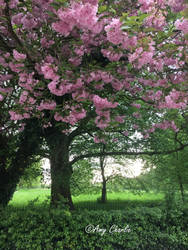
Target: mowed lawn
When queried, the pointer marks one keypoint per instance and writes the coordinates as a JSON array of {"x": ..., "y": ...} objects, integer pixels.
[{"x": 115, "y": 200}]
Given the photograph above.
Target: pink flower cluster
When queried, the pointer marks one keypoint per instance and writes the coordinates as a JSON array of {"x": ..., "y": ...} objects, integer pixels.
[
  {"x": 114, "y": 33},
  {"x": 99, "y": 140},
  {"x": 1, "y": 97},
  {"x": 49, "y": 71},
  {"x": 146, "y": 5},
  {"x": 18, "y": 56},
  {"x": 102, "y": 103},
  {"x": 111, "y": 55},
  {"x": 116, "y": 36},
  {"x": 175, "y": 100},
  {"x": 182, "y": 25},
  {"x": 76, "y": 113},
  {"x": 136, "y": 105},
  {"x": 119, "y": 118},
  {"x": 141, "y": 58},
  {"x": 176, "y": 6},
  {"x": 27, "y": 81},
  {"x": 102, "y": 106},
  {"x": 49, "y": 105},
  {"x": 165, "y": 125},
  {"x": 81, "y": 15},
  {"x": 156, "y": 20},
  {"x": 136, "y": 115},
  {"x": 14, "y": 116}
]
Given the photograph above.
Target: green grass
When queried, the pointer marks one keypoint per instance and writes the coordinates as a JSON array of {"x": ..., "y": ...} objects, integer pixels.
[
  {"x": 23, "y": 196},
  {"x": 115, "y": 200}
]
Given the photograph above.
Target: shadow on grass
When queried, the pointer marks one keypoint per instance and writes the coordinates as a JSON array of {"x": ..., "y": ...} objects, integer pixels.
[{"x": 117, "y": 204}]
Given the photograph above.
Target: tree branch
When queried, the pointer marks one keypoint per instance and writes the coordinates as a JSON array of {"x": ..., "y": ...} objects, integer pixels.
[{"x": 126, "y": 153}]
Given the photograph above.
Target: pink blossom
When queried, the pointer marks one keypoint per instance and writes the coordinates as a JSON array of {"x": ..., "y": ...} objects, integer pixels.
[
  {"x": 126, "y": 133},
  {"x": 102, "y": 103},
  {"x": 49, "y": 105},
  {"x": 119, "y": 118},
  {"x": 45, "y": 43},
  {"x": 114, "y": 32},
  {"x": 14, "y": 116},
  {"x": 76, "y": 61},
  {"x": 49, "y": 71},
  {"x": 17, "y": 19},
  {"x": 156, "y": 20},
  {"x": 182, "y": 24},
  {"x": 136, "y": 115},
  {"x": 136, "y": 105},
  {"x": 135, "y": 55},
  {"x": 16, "y": 67},
  {"x": 13, "y": 4},
  {"x": 86, "y": 15},
  {"x": 28, "y": 21},
  {"x": 135, "y": 126},
  {"x": 99, "y": 140},
  {"x": 145, "y": 58},
  {"x": 26, "y": 115},
  {"x": 1, "y": 98},
  {"x": 93, "y": 2},
  {"x": 58, "y": 117},
  {"x": 18, "y": 56},
  {"x": 146, "y": 136},
  {"x": 111, "y": 55},
  {"x": 146, "y": 5},
  {"x": 23, "y": 97},
  {"x": 177, "y": 6}
]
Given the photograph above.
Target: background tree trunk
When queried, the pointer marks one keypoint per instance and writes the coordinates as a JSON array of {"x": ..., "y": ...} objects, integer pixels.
[
  {"x": 103, "y": 196},
  {"x": 102, "y": 167}
]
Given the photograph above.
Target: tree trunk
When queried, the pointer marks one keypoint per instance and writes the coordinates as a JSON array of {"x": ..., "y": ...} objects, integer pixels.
[
  {"x": 13, "y": 163},
  {"x": 181, "y": 187},
  {"x": 7, "y": 187},
  {"x": 103, "y": 196},
  {"x": 102, "y": 167},
  {"x": 61, "y": 170}
]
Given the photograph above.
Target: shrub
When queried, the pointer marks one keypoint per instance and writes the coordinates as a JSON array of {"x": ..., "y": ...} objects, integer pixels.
[{"x": 44, "y": 228}]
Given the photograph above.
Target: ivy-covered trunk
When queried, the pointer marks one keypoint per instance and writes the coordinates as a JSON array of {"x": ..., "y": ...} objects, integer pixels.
[
  {"x": 61, "y": 171},
  {"x": 15, "y": 160},
  {"x": 7, "y": 187}
]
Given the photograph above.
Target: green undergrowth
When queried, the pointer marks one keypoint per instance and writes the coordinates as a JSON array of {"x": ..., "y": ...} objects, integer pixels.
[{"x": 41, "y": 227}]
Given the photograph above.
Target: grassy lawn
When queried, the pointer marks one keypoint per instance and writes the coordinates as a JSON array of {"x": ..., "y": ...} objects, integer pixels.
[{"x": 115, "y": 200}]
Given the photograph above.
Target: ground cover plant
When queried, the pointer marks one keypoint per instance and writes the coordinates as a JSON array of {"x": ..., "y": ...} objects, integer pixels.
[
  {"x": 37, "y": 226},
  {"x": 99, "y": 70}
]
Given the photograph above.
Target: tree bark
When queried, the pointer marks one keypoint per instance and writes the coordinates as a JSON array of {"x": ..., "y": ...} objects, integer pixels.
[
  {"x": 7, "y": 187},
  {"x": 103, "y": 196},
  {"x": 61, "y": 170},
  {"x": 181, "y": 187},
  {"x": 14, "y": 163},
  {"x": 102, "y": 167}
]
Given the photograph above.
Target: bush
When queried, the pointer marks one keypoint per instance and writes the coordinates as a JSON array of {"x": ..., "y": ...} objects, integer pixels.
[{"x": 44, "y": 228}]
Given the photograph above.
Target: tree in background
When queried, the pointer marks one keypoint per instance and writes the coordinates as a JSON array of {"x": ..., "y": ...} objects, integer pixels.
[
  {"x": 81, "y": 179},
  {"x": 83, "y": 67},
  {"x": 168, "y": 173},
  {"x": 32, "y": 175}
]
